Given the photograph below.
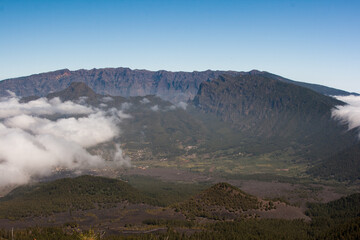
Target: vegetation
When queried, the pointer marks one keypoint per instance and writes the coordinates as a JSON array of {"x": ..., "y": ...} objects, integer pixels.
[
  {"x": 238, "y": 230},
  {"x": 81, "y": 193},
  {"x": 338, "y": 219},
  {"x": 164, "y": 193},
  {"x": 342, "y": 209},
  {"x": 343, "y": 166},
  {"x": 219, "y": 197}
]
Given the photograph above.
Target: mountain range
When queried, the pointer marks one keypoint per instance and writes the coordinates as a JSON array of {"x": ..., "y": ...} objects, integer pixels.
[
  {"x": 171, "y": 86},
  {"x": 177, "y": 147},
  {"x": 232, "y": 122}
]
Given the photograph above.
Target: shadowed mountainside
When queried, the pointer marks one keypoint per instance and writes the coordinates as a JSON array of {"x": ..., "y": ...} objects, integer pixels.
[{"x": 342, "y": 166}]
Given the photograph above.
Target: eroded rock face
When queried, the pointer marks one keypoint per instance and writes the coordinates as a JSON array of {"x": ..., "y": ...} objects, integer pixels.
[{"x": 172, "y": 86}]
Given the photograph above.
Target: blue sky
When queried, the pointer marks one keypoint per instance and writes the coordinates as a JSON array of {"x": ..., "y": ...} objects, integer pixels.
[{"x": 310, "y": 41}]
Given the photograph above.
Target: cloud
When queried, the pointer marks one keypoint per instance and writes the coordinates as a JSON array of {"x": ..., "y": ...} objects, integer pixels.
[
  {"x": 155, "y": 108},
  {"x": 144, "y": 101},
  {"x": 181, "y": 105},
  {"x": 350, "y": 113},
  {"x": 34, "y": 140},
  {"x": 107, "y": 99},
  {"x": 84, "y": 131},
  {"x": 13, "y": 107},
  {"x": 126, "y": 106},
  {"x": 120, "y": 158}
]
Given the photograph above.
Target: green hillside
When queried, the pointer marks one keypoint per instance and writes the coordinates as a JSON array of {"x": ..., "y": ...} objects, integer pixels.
[
  {"x": 342, "y": 166},
  {"x": 80, "y": 193},
  {"x": 216, "y": 199},
  {"x": 342, "y": 209}
]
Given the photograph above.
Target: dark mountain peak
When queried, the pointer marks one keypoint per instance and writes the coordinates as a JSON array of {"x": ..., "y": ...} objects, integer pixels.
[
  {"x": 255, "y": 72},
  {"x": 74, "y": 91}
]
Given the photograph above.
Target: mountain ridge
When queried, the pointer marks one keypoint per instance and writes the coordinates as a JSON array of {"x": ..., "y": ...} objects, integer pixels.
[{"x": 171, "y": 86}]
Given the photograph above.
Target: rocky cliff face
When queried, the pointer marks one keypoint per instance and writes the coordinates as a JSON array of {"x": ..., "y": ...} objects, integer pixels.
[{"x": 171, "y": 86}]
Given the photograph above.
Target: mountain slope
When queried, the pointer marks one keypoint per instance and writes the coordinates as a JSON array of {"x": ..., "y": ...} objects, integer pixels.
[
  {"x": 74, "y": 91},
  {"x": 342, "y": 166},
  {"x": 342, "y": 209},
  {"x": 277, "y": 111},
  {"x": 248, "y": 102},
  {"x": 315, "y": 87},
  {"x": 171, "y": 86}
]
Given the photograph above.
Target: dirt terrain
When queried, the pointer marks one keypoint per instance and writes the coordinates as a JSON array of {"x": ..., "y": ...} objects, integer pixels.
[{"x": 297, "y": 194}]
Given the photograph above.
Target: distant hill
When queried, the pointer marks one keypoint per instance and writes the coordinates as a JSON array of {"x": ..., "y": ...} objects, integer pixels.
[
  {"x": 80, "y": 193},
  {"x": 171, "y": 86}
]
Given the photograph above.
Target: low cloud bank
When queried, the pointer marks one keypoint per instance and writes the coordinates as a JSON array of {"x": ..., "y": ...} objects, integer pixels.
[
  {"x": 348, "y": 114},
  {"x": 34, "y": 140}
]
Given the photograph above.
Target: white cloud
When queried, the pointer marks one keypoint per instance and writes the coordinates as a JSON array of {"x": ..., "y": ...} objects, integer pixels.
[
  {"x": 107, "y": 99},
  {"x": 144, "y": 101},
  {"x": 120, "y": 158},
  {"x": 182, "y": 105},
  {"x": 32, "y": 145},
  {"x": 125, "y": 106},
  {"x": 12, "y": 107},
  {"x": 155, "y": 108},
  {"x": 348, "y": 114},
  {"x": 85, "y": 131}
]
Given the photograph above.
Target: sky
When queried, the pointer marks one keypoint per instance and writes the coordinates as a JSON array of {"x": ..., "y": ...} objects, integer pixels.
[{"x": 309, "y": 41}]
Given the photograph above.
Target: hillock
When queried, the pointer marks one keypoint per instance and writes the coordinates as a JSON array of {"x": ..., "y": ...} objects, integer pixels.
[{"x": 219, "y": 200}]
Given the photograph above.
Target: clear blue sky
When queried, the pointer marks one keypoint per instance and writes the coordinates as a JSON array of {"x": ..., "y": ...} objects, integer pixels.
[{"x": 312, "y": 41}]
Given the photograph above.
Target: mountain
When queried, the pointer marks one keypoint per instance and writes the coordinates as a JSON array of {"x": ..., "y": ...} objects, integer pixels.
[
  {"x": 171, "y": 86},
  {"x": 174, "y": 86},
  {"x": 261, "y": 103},
  {"x": 220, "y": 200},
  {"x": 245, "y": 124},
  {"x": 266, "y": 105},
  {"x": 74, "y": 91}
]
